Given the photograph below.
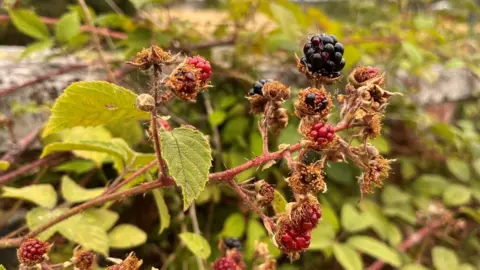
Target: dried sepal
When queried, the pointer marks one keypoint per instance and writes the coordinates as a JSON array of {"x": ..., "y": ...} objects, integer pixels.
[
  {"x": 373, "y": 125},
  {"x": 314, "y": 102},
  {"x": 185, "y": 82},
  {"x": 269, "y": 264},
  {"x": 276, "y": 116},
  {"x": 276, "y": 91},
  {"x": 265, "y": 193},
  {"x": 83, "y": 259},
  {"x": 257, "y": 103},
  {"x": 307, "y": 178},
  {"x": 130, "y": 263},
  {"x": 363, "y": 75},
  {"x": 154, "y": 55},
  {"x": 318, "y": 78}
]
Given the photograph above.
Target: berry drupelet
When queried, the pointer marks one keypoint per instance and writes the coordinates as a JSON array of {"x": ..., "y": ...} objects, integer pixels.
[
  {"x": 224, "y": 263},
  {"x": 202, "y": 64},
  {"x": 324, "y": 55},
  {"x": 295, "y": 240},
  {"x": 257, "y": 87},
  {"x": 309, "y": 218},
  {"x": 231, "y": 243},
  {"x": 322, "y": 133},
  {"x": 32, "y": 251},
  {"x": 317, "y": 102}
]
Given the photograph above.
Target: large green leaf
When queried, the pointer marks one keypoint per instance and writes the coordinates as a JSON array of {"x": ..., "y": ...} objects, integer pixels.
[
  {"x": 352, "y": 220},
  {"x": 38, "y": 216},
  {"x": 29, "y": 23},
  {"x": 67, "y": 27},
  {"x": 459, "y": 168},
  {"x": 81, "y": 134},
  {"x": 455, "y": 195},
  {"x": 74, "y": 193},
  {"x": 162, "y": 208},
  {"x": 126, "y": 236},
  {"x": 98, "y": 146},
  {"x": 444, "y": 258},
  {"x": 279, "y": 203},
  {"x": 100, "y": 217},
  {"x": 378, "y": 221},
  {"x": 196, "y": 244},
  {"x": 347, "y": 257},
  {"x": 375, "y": 248},
  {"x": 234, "y": 226},
  {"x": 42, "y": 194},
  {"x": 4, "y": 165},
  {"x": 92, "y": 104},
  {"x": 188, "y": 156}
]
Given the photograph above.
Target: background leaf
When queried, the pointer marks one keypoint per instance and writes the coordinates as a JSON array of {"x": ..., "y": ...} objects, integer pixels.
[
  {"x": 126, "y": 236},
  {"x": 444, "y": 258},
  {"x": 352, "y": 220},
  {"x": 38, "y": 216},
  {"x": 92, "y": 104},
  {"x": 74, "y": 193},
  {"x": 41, "y": 194},
  {"x": 196, "y": 244},
  {"x": 67, "y": 27},
  {"x": 347, "y": 257},
  {"x": 459, "y": 168},
  {"x": 234, "y": 226},
  {"x": 188, "y": 156},
  {"x": 375, "y": 248},
  {"x": 4, "y": 165},
  {"x": 29, "y": 23},
  {"x": 455, "y": 195},
  {"x": 97, "y": 146},
  {"x": 162, "y": 208},
  {"x": 279, "y": 203}
]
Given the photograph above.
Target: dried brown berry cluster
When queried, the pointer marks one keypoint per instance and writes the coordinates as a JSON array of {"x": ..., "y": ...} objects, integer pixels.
[
  {"x": 130, "y": 263},
  {"x": 83, "y": 259}
]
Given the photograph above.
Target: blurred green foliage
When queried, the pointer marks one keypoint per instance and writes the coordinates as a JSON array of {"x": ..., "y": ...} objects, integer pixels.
[{"x": 437, "y": 164}]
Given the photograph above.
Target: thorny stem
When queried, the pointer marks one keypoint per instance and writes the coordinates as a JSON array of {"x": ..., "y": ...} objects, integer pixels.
[
  {"x": 414, "y": 239},
  {"x": 263, "y": 126},
  {"x": 95, "y": 38},
  {"x": 153, "y": 117}
]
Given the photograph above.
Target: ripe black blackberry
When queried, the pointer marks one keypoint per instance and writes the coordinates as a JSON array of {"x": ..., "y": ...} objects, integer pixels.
[
  {"x": 324, "y": 55},
  {"x": 257, "y": 87},
  {"x": 231, "y": 243}
]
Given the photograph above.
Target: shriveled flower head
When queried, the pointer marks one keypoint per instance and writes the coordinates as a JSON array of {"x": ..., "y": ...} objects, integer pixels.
[
  {"x": 315, "y": 102},
  {"x": 378, "y": 169},
  {"x": 186, "y": 82},
  {"x": 265, "y": 193},
  {"x": 83, "y": 259},
  {"x": 130, "y": 263},
  {"x": 154, "y": 55},
  {"x": 307, "y": 179},
  {"x": 373, "y": 125}
]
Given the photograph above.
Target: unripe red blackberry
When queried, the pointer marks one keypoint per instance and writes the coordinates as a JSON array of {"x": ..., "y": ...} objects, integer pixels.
[
  {"x": 290, "y": 239},
  {"x": 324, "y": 55},
  {"x": 322, "y": 133},
  {"x": 224, "y": 263},
  {"x": 32, "y": 251},
  {"x": 202, "y": 64},
  {"x": 164, "y": 124}
]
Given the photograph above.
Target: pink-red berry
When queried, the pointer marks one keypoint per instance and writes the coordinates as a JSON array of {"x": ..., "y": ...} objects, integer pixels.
[
  {"x": 32, "y": 251},
  {"x": 322, "y": 133},
  {"x": 202, "y": 64},
  {"x": 164, "y": 124},
  {"x": 309, "y": 218},
  {"x": 224, "y": 263},
  {"x": 295, "y": 240}
]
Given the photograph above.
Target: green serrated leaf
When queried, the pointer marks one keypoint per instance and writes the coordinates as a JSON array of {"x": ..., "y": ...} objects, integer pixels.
[
  {"x": 459, "y": 168},
  {"x": 74, "y": 193},
  {"x": 455, "y": 195},
  {"x": 100, "y": 217},
  {"x": 347, "y": 257},
  {"x": 67, "y": 27},
  {"x": 378, "y": 221},
  {"x": 4, "y": 165},
  {"x": 89, "y": 236},
  {"x": 196, "y": 244},
  {"x": 162, "y": 208},
  {"x": 279, "y": 203},
  {"x": 188, "y": 156},
  {"x": 98, "y": 146},
  {"x": 234, "y": 226},
  {"x": 130, "y": 131},
  {"x": 444, "y": 258},
  {"x": 29, "y": 23},
  {"x": 323, "y": 236},
  {"x": 126, "y": 236},
  {"x": 42, "y": 194},
  {"x": 352, "y": 220},
  {"x": 92, "y": 104},
  {"x": 39, "y": 216},
  {"x": 376, "y": 249},
  {"x": 40, "y": 45},
  {"x": 81, "y": 134}
]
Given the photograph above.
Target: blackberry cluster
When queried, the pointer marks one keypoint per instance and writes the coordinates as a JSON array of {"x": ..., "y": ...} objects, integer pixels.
[
  {"x": 324, "y": 55},
  {"x": 200, "y": 63},
  {"x": 309, "y": 219},
  {"x": 32, "y": 251},
  {"x": 317, "y": 102},
  {"x": 224, "y": 263},
  {"x": 231, "y": 243},
  {"x": 258, "y": 86},
  {"x": 322, "y": 133},
  {"x": 295, "y": 240}
]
